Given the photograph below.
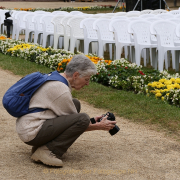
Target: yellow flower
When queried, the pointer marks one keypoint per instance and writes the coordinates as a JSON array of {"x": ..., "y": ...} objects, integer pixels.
[
  {"x": 162, "y": 98},
  {"x": 177, "y": 80},
  {"x": 173, "y": 80},
  {"x": 162, "y": 80},
  {"x": 158, "y": 94}
]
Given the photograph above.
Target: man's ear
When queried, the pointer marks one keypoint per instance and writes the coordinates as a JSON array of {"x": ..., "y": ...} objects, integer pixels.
[{"x": 75, "y": 75}]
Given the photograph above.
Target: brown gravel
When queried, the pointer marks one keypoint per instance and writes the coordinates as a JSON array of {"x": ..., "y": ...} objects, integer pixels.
[{"x": 136, "y": 152}]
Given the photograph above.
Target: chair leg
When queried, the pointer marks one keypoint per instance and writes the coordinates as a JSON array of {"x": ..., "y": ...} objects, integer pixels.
[
  {"x": 110, "y": 51},
  {"x": 100, "y": 49},
  {"x": 72, "y": 44},
  {"x": 60, "y": 42},
  {"x": 153, "y": 58},
  {"x": 177, "y": 60},
  {"x": 86, "y": 47},
  {"x": 160, "y": 60},
  {"x": 44, "y": 40},
  {"x": 26, "y": 36},
  {"x": 94, "y": 47},
  {"x": 144, "y": 52},
  {"x": 137, "y": 56},
  {"x": 66, "y": 43},
  {"x": 125, "y": 51},
  {"x": 55, "y": 42}
]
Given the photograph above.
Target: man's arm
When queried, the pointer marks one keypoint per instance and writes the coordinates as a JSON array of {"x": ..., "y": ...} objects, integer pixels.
[{"x": 104, "y": 124}]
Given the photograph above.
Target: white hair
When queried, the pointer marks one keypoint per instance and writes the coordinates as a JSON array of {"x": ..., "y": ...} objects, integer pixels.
[{"x": 81, "y": 64}]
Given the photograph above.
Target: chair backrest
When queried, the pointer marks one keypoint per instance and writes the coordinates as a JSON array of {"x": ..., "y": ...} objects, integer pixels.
[
  {"x": 174, "y": 12},
  {"x": 97, "y": 15},
  {"x": 120, "y": 14},
  {"x": 64, "y": 24},
  {"x": 106, "y": 16},
  {"x": 76, "y": 13},
  {"x": 59, "y": 12},
  {"x": 20, "y": 20},
  {"x": 152, "y": 19},
  {"x": 159, "y": 11},
  {"x": 40, "y": 12},
  {"x": 135, "y": 14},
  {"x": 119, "y": 17},
  {"x": 28, "y": 21},
  {"x": 178, "y": 30},
  {"x": 58, "y": 27},
  {"x": 164, "y": 30},
  {"x": 165, "y": 15},
  {"x": 133, "y": 18},
  {"x": 177, "y": 16},
  {"x": 141, "y": 31},
  {"x": 120, "y": 28},
  {"x": 87, "y": 25},
  {"x": 146, "y": 11},
  {"x": 36, "y": 20},
  {"x": 74, "y": 24},
  {"x": 147, "y": 15},
  {"x": 102, "y": 27},
  {"x": 45, "y": 20},
  {"x": 177, "y": 21}
]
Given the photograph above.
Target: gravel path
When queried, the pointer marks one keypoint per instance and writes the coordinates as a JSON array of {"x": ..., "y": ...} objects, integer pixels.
[{"x": 136, "y": 152}]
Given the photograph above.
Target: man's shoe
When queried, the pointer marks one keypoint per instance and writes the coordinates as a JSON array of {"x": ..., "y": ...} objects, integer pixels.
[{"x": 44, "y": 155}]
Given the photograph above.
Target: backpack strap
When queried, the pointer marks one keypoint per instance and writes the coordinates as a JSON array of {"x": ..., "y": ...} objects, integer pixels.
[
  {"x": 52, "y": 76},
  {"x": 55, "y": 76}
]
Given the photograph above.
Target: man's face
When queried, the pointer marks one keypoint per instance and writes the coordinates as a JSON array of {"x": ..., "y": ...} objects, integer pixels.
[{"x": 80, "y": 81}]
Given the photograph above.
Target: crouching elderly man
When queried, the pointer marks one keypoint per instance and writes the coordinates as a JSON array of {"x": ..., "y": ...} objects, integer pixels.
[{"x": 53, "y": 131}]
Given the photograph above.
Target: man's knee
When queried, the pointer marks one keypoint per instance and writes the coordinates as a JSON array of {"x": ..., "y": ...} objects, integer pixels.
[{"x": 84, "y": 119}]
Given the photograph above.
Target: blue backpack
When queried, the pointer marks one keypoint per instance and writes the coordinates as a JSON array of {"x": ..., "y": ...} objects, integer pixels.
[{"x": 17, "y": 98}]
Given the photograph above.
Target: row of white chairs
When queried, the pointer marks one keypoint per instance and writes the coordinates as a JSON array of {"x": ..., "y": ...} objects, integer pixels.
[{"x": 109, "y": 29}]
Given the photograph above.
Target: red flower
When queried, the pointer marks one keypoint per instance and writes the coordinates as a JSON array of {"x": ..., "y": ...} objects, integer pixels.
[
  {"x": 141, "y": 72},
  {"x": 126, "y": 67}
]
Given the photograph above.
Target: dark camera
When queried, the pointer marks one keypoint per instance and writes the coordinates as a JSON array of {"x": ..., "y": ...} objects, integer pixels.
[{"x": 111, "y": 117}]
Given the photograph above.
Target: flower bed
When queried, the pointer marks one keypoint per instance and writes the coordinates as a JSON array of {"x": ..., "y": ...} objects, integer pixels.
[
  {"x": 85, "y": 8},
  {"x": 119, "y": 74}
]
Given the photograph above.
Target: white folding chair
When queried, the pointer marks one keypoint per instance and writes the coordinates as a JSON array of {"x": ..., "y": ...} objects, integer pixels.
[
  {"x": 90, "y": 35},
  {"x": 164, "y": 30},
  {"x": 142, "y": 39},
  {"x": 76, "y": 33},
  {"x": 147, "y": 15},
  {"x": 20, "y": 23},
  {"x": 122, "y": 38},
  {"x": 165, "y": 15},
  {"x": 146, "y": 11},
  {"x": 159, "y": 11},
  {"x": 66, "y": 31},
  {"x": 174, "y": 12},
  {"x": 48, "y": 29},
  {"x": 105, "y": 36},
  {"x": 30, "y": 29},
  {"x": 58, "y": 30}
]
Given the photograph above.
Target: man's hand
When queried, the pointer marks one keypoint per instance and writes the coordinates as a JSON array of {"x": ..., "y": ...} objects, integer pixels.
[
  {"x": 98, "y": 118},
  {"x": 106, "y": 124}
]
